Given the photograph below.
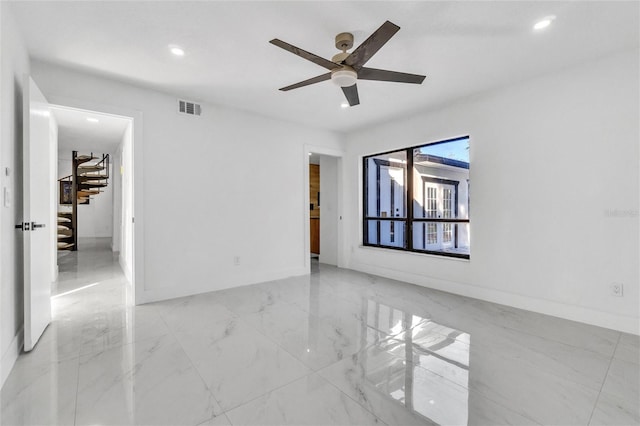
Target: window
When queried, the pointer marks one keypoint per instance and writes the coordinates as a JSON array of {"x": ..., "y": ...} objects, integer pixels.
[
  {"x": 417, "y": 199},
  {"x": 386, "y": 199}
]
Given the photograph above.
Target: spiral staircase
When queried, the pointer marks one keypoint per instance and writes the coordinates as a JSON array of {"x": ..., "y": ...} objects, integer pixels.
[{"x": 89, "y": 176}]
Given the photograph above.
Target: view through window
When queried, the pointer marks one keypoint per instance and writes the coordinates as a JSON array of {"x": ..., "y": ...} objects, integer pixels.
[{"x": 417, "y": 199}]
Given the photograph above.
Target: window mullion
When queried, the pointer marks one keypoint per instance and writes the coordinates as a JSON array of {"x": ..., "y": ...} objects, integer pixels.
[{"x": 409, "y": 200}]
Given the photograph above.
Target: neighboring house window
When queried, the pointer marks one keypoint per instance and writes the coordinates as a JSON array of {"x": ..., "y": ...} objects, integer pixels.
[{"x": 417, "y": 199}]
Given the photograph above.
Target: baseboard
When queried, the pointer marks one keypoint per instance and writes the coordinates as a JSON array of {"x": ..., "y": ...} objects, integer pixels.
[
  {"x": 570, "y": 312},
  {"x": 11, "y": 355},
  {"x": 240, "y": 280}
]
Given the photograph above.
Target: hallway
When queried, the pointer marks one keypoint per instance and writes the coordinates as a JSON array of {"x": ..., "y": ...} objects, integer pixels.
[{"x": 335, "y": 347}]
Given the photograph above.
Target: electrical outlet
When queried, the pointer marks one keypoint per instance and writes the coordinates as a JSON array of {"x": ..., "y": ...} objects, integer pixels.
[
  {"x": 616, "y": 289},
  {"x": 236, "y": 260}
]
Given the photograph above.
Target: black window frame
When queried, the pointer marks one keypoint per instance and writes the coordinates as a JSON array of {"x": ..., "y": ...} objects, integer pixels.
[{"x": 409, "y": 218}]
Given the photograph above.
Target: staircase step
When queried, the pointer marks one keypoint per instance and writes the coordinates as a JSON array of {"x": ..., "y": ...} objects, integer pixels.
[
  {"x": 64, "y": 237},
  {"x": 65, "y": 246},
  {"x": 84, "y": 158},
  {"x": 88, "y": 192},
  {"x": 94, "y": 173},
  {"x": 85, "y": 178},
  {"x": 83, "y": 186},
  {"x": 65, "y": 215},
  {"x": 92, "y": 176},
  {"x": 93, "y": 168}
]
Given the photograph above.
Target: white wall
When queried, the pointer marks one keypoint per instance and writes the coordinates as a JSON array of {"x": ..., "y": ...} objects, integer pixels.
[
  {"x": 96, "y": 218},
  {"x": 328, "y": 210},
  {"x": 226, "y": 184},
  {"x": 554, "y": 194},
  {"x": 14, "y": 65}
]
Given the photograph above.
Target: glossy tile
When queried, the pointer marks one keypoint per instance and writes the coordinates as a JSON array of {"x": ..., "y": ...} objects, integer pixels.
[
  {"x": 441, "y": 354},
  {"x": 530, "y": 354},
  {"x": 120, "y": 327},
  {"x": 219, "y": 420},
  {"x": 628, "y": 348},
  {"x": 237, "y": 362},
  {"x": 190, "y": 313},
  {"x": 316, "y": 341},
  {"x": 40, "y": 393},
  {"x": 398, "y": 392},
  {"x": 251, "y": 299},
  {"x": 333, "y": 347},
  {"x": 60, "y": 341},
  {"x": 536, "y": 394},
  {"x": 477, "y": 313},
  {"x": 483, "y": 411},
  {"x": 619, "y": 401},
  {"x": 147, "y": 382},
  {"x": 308, "y": 401}
]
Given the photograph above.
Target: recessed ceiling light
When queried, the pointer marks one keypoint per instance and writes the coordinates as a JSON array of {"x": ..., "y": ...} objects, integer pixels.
[
  {"x": 176, "y": 50},
  {"x": 92, "y": 120},
  {"x": 544, "y": 23},
  {"x": 344, "y": 105},
  {"x": 310, "y": 153}
]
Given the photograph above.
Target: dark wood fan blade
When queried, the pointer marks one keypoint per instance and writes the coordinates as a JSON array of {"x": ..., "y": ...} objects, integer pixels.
[
  {"x": 325, "y": 63},
  {"x": 384, "y": 75},
  {"x": 370, "y": 46},
  {"x": 351, "y": 94},
  {"x": 313, "y": 80}
]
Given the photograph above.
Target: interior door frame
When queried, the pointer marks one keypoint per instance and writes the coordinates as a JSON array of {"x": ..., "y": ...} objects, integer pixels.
[
  {"x": 339, "y": 155},
  {"x": 138, "y": 273}
]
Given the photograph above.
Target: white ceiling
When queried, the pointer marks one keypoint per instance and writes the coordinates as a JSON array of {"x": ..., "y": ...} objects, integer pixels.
[
  {"x": 463, "y": 47},
  {"x": 76, "y": 133}
]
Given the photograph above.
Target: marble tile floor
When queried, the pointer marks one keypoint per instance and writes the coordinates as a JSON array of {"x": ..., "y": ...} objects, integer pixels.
[{"x": 335, "y": 347}]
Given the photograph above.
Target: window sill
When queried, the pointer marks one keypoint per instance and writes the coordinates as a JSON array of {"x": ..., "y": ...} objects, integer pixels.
[{"x": 413, "y": 253}]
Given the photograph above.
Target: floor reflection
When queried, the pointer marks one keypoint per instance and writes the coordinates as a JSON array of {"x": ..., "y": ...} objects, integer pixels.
[{"x": 429, "y": 374}]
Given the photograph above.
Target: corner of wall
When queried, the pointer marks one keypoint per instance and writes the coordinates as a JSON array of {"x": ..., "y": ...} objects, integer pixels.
[{"x": 10, "y": 356}]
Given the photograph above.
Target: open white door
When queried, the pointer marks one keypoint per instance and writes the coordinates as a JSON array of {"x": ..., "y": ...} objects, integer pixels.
[{"x": 36, "y": 185}]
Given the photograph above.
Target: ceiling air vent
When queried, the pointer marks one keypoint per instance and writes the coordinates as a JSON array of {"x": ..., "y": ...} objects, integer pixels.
[{"x": 189, "y": 108}]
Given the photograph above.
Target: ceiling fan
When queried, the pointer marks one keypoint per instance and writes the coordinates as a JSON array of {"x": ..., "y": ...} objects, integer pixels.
[{"x": 345, "y": 68}]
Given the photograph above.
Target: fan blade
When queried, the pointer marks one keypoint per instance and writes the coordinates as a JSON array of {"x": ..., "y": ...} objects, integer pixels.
[
  {"x": 351, "y": 94},
  {"x": 325, "y": 63},
  {"x": 370, "y": 46},
  {"x": 313, "y": 80},
  {"x": 384, "y": 75}
]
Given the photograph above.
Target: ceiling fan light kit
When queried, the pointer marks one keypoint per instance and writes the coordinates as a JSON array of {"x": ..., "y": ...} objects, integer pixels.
[
  {"x": 344, "y": 77},
  {"x": 346, "y": 68}
]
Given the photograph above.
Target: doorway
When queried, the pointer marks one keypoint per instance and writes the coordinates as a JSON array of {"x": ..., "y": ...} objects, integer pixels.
[
  {"x": 95, "y": 203},
  {"x": 324, "y": 212}
]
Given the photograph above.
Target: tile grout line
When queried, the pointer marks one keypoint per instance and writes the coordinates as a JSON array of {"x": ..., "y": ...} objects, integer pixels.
[
  {"x": 349, "y": 396},
  {"x": 172, "y": 333},
  {"x": 595, "y": 404},
  {"x": 268, "y": 392}
]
